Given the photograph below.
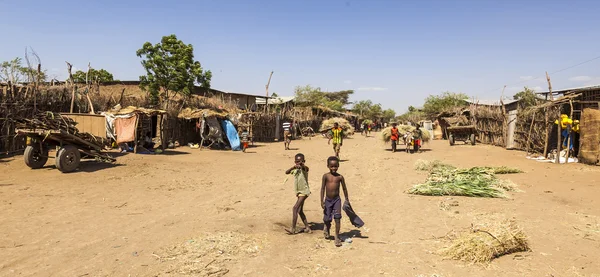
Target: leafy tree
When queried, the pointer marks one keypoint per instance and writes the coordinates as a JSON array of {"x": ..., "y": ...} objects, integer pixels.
[
  {"x": 309, "y": 96},
  {"x": 388, "y": 115},
  {"x": 274, "y": 95},
  {"x": 362, "y": 107},
  {"x": 100, "y": 76},
  {"x": 527, "y": 97},
  {"x": 171, "y": 69},
  {"x": 435, "y": 104},
  {"x": 340, "y": 96},
  {"x": 15, "y": 72},
  {"x": 411, "y": 109}
]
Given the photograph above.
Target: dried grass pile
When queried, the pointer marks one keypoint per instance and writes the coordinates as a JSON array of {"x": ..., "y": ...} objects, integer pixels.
[
  {"x": 344, "y": 124},
  {"x": 208, "y": 255},
  {"x": 448, "y": 180},
  {"x": 487, "y": 241},
  {"x": 386, "y": 133}
]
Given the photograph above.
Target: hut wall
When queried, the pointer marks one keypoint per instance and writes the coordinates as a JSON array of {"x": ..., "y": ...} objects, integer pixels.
[
  {"x": 489, "y": 121},
  {"x": 589, "y": 152}
]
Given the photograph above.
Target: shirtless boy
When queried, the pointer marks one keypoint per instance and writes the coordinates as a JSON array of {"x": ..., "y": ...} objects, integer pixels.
[{"x": 332, "y": 204}]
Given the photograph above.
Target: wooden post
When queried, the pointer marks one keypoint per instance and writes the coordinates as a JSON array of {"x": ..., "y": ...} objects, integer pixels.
[
  {"x": 570, "y": 134},
  {"x": 135, "y": 133},
  {"x": 267, "y": 90},
  {"x": 547, "y": 116},
  {"x": 69, "y": 67},
  {"x": 89, "y": 87},
  {"x": 277, "y": 123},
  {"x": 529, "y": 134},
  {"x": 504, "y": 119},
  {"x": 558, "y": 142}
]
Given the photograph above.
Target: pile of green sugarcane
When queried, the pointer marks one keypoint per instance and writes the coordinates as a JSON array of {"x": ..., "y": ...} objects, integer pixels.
[{"x": 445, "y": 179}]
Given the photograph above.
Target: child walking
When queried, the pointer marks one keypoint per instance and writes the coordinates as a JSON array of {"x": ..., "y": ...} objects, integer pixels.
[
  {"x": 302, "y": 191},
  {"x": 330, "y": 198},
  {"x": 244, "y": 136}
]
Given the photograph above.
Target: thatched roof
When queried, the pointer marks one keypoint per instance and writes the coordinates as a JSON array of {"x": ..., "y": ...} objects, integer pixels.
[
  {"x": 132, "y": 110},
  {"x": 189, "y": 113}
]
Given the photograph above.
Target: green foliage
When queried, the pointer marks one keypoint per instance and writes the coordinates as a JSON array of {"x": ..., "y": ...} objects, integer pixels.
[
  {"x": 100, "y": 76},
  {"x": 366, "y": 109},
  {"x": 388, "y": 115},
  {"x": 435, "y": 104},
  {"x": 14, "y": 71},
  {"x": 171, "y": 69},
  {"x": 309, "y": 96},
  {"x": 527, "y": 97},
  {"x": 274, "y": 95},
  {"x": 342, "y": 97}
]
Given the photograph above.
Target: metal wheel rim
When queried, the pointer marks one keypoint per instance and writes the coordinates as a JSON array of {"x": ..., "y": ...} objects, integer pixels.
[{"x": 70, "y": 158}]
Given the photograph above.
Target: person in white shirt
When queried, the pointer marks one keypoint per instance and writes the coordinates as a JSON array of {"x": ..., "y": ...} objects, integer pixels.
[{"x": 287, "y": 134}]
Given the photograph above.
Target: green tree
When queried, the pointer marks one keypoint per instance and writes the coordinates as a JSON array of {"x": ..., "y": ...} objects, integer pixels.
[
  {"x": 362, "y": 107},
  {"x": 435, "y": 104},
  {"x": 340, "y": 96},
  {"x": 100, "y": 76},
  {"x": 171, "y": 69},
  {"x": 526, "y": 97},
  {"x": 309, "y": 96},
  {"x": 15, "y": 72},
  {"x": 388, "y": 115},
  {"x": 375, "y": 111}
]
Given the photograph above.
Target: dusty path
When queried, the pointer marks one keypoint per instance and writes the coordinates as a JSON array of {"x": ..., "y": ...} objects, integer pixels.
[{"x": 117, "y": 221}]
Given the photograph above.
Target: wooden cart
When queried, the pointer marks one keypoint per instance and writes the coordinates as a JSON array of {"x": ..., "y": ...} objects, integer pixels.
[
  {"x": 71, "y": 149},
  {"x": 462, "y": 133}
]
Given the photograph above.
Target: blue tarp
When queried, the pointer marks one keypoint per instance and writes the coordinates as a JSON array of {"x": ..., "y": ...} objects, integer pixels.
[{"x": 232, "y": 135}]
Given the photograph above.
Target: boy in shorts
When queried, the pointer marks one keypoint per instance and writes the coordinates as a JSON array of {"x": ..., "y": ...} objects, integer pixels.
[{"x": 330, "y": 198}]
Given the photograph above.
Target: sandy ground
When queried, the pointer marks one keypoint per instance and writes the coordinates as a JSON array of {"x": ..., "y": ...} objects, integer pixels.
[{"x": 123, "y": 220}]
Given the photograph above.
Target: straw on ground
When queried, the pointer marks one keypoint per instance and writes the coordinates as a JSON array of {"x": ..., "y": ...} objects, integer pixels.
[{"x": 487, "y": 241}]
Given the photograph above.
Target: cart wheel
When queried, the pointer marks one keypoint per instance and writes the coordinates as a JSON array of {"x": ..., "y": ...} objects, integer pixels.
[
  {"x": 67, "y": 158},
  {"x": 451, "y": 139},
  {"x": 472, "y": 139},
  {"x": 35, "y": 157}
]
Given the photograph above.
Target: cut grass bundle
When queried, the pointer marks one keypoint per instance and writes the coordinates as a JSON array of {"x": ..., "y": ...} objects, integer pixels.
[
  {"x": 343, "y": 123},
  {"x": 386, "y": 133},
  {"x": 425, "y": 165},
  {"x": 445, "y": 179},
  {"x": 486, "y": 242},
  {"x": 208, "y": 255}
]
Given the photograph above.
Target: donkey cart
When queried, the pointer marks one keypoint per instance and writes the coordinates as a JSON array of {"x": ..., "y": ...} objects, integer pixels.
[
  {"x": 462, "y": 133},
  {"x": 71, "y": 149}
]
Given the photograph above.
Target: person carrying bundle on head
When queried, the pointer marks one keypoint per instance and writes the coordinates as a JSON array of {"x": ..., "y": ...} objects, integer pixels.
[
  {"x": 395, "y": 136},
  {"x": 566, "y": 125}
]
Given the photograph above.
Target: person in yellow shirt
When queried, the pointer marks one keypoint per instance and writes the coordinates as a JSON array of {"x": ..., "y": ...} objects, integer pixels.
[
  {"x": 337, "y": 135},
  {"x": 566, "y": 125}
]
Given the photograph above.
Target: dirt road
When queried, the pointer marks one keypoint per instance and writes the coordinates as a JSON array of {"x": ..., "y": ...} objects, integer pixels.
[{"x": 125, "y": 220}]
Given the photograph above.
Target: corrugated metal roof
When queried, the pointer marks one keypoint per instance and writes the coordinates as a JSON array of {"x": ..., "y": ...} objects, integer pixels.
[
  {"x": 572, "y": 90},
  {"x": 492, "y": 102},
  {"x": 275, "y": 101}
]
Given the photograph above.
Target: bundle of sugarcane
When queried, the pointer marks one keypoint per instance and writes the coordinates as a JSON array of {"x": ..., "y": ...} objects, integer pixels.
[
  {"x": 343, "y": 123},
  {"x": 48, "y": 121},
  {"x": 386, "y": 133},
  {"x": 475, "y": 182}
]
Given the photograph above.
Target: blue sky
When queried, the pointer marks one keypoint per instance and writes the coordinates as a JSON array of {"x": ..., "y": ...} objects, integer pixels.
[{"x": 392, "y": 52}]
